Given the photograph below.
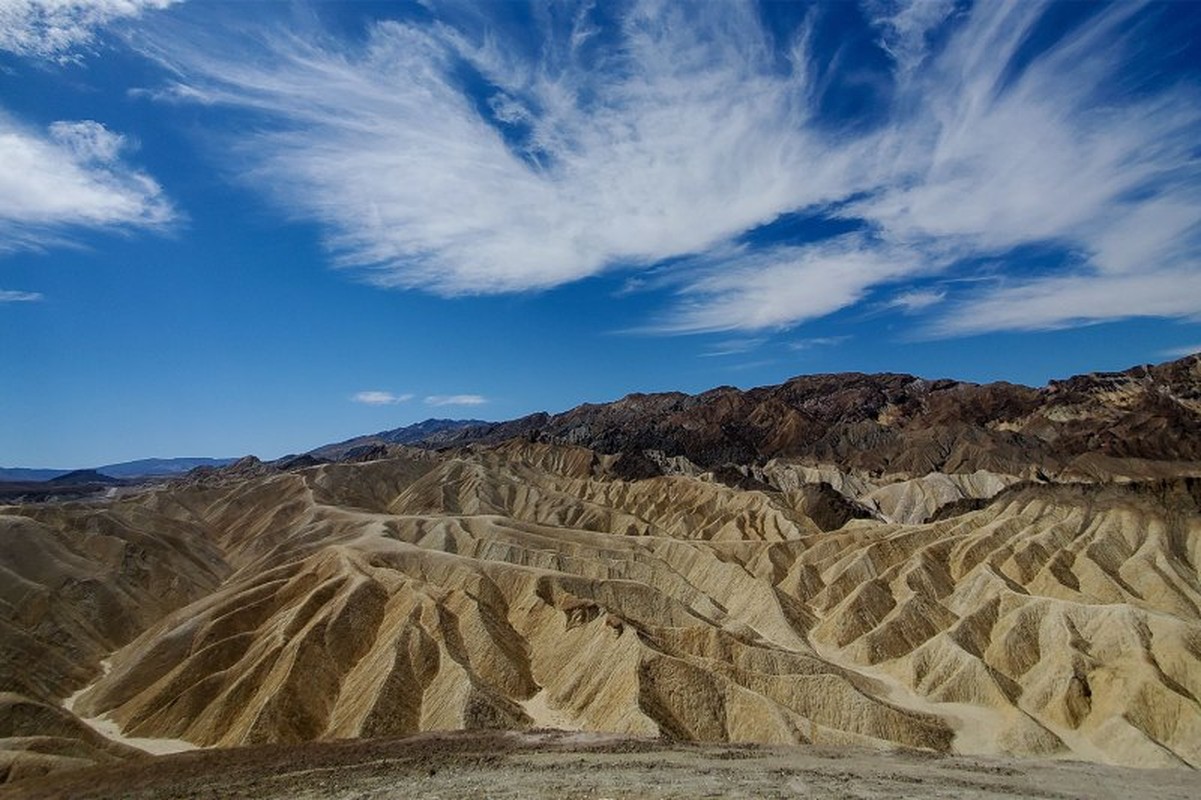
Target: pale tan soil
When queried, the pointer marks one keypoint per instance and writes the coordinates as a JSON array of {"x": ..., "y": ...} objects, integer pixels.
[
  {"x": 524, "y": 587},
  {"x": 552, "y": 764},
  {"x": 110, "y": 730}
]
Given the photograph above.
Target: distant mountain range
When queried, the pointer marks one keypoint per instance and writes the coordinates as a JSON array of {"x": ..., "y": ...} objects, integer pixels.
[
  {"x": 410, "y": 434},
  {"x": 142, "y": 468},
  {"x": 881, "y": 423},
  {"x": 80, "y": 476}
]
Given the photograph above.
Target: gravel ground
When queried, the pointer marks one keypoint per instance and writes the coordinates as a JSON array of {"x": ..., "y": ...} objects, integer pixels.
[{"x": 554, "y": 764}]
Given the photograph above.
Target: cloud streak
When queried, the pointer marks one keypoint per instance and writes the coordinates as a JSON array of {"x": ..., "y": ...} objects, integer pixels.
[
  {"x": 378, "y": 398},
  {"x": 681, "y": 128},
  {"x": 13, "y": 296},
  {"x": 916, "y": 300},
  {"x": 70, "y": 176},
  {"x": 1181, "y": 352},
  {"x": 56, "y": 29},
  {"x": 456, "y": 400},
  {"x": 1058, "y": 302},
  {"x": 732, "y": 347},
  {"x": 817, "y": 341},
  {"x": 778, "y": 287},
  {"x": 675, "y": 146}
]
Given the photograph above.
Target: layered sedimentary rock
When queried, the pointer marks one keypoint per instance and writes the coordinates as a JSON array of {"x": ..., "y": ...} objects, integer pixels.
[
  {"x": 522, "y": 585},
  {"x": 530, "y": 584},
  {"x": 1121, "y": 424}
]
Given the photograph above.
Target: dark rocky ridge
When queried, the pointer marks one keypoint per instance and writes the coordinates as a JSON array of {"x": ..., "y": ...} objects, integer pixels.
[
  {"x": 410, "y": 434},
  {"x": 892, "y": 422},
  {"x": 72, "y": 485},
  {"x": 84, "y": 476}
]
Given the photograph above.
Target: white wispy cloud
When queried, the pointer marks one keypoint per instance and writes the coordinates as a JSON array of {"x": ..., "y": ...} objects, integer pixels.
[
  {"x": 749, "y": 365},
  {"x": 695, "y": 127},
  {"x": 57, "y": 29},
  {"x": 817, "y": 341},
  {"x": 905, "y": 28},
  {"x": 1056, "y": 302},
  {"x": 732, "y": 347},
  {"x": 686, "y": 140},
  {"x": 456, "y": 400},
  {"x": 376, "y": 398},
  {"x": 778, "y": 287},
  {"x": 1050, "y": 155},
  {"x": 916, "y": 300},
  {"x": 87, "y": 142},
  {"x": 71, "y": 175},
  {"x": 13, "y": 296},
  {"x": 1181, "y": 352}
]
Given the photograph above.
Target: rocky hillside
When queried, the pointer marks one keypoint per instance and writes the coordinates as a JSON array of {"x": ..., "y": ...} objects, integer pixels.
[
  {"x": 898, "y": 423},
  {"x": 409, "y": 434},
  {"x": 873, "y": 561}
]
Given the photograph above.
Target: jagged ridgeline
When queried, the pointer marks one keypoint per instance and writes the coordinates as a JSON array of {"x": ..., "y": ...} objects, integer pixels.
[{"x": 872, "y": 560}]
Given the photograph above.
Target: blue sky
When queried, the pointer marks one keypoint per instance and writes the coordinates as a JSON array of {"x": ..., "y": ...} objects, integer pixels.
[{"x": 233, "y": 228}]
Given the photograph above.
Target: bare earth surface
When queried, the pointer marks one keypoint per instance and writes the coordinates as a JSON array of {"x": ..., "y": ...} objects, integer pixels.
[
  {"x": 976, "y": 590},
  {"x": 556, "y": 764}
]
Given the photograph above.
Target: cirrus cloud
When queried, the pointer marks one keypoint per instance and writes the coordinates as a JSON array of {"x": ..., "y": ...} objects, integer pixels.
[
  {"x": 456, "y": 400},
  {"x": 1181, "y": 352},
  {"x": 71, "y": 176},
  {"x": 915, "y": 300},
  {"x": 54, "y": 29},
  {"x": 378, "y": 398},
  {"x": 684, "y": 128},
  {"x": 14, "y": 296}
]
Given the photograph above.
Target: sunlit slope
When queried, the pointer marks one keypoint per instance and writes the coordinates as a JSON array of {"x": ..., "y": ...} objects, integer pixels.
[
  {"x": 78, "y": 581},
  {"x": 525, "y": 585}
]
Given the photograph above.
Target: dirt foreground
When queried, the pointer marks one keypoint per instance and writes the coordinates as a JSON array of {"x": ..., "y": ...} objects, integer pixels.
[{"x": 556, "y": 764}]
